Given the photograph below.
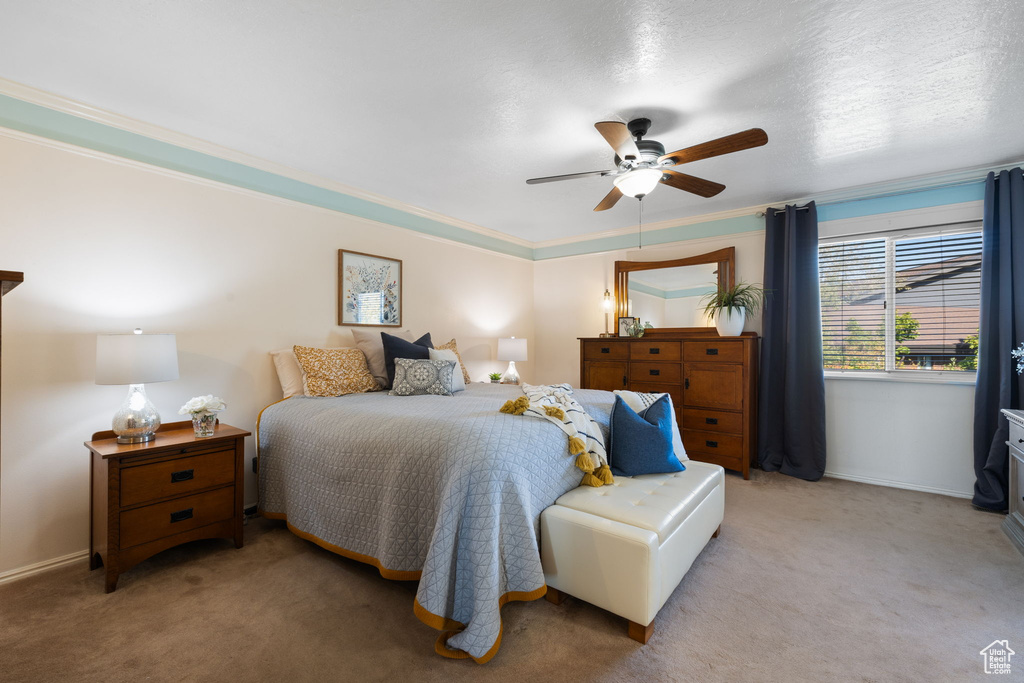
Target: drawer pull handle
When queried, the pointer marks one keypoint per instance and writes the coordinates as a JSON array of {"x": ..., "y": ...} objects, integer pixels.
[
  {"x": 1020, "y": 440},
  {"x": 711, "y": 444},
  {"x": 654, "y": 350},
  {"x": 605, "y": 349},
  {"x": 655, "y": 372},
  {"x": 686, "y": 383},
  {"x": 181, "y": 515},
  {"x": 711, "y": 420},
  {"x": 182, "y": 475},
  {"x": 711, "y": 352}
]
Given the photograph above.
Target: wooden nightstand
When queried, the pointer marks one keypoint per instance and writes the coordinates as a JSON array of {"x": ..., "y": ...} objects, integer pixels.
[{"x": 148, "y": 497}]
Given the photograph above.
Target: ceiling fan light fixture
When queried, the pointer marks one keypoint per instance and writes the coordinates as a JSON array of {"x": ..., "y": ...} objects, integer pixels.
[{"x": 638, "y": 182}]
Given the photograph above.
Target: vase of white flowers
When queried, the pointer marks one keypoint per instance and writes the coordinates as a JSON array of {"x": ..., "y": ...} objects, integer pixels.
[
  {"x": 203, "y": 410},
  {"x": 1018, "y": 353}
]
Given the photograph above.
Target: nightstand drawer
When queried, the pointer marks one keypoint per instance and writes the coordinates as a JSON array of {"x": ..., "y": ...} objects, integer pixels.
[
  {"x": 174, "y": 516},
  {"x": 176, "y": 477}
]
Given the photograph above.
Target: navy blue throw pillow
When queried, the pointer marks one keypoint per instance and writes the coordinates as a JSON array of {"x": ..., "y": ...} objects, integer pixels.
[
  {"x": 642, "y": 444},
  {"x": 396, "y": 347}
]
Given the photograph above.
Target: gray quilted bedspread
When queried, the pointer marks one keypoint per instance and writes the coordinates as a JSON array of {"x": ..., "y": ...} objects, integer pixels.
[{"x": 445, "y": 485}]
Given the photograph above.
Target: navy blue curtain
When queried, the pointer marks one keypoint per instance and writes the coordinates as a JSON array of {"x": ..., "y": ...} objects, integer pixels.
[
  {"x": 791, "y": 404},
  {"x": 1002, "y": 329}
]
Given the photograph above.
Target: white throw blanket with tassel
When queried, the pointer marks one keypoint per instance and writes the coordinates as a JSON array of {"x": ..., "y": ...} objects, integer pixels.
[{"x": 556, "y": 404}]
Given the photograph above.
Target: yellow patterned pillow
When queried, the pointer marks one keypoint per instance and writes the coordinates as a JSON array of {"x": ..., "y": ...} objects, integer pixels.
[
  {"x": 334, "y": 372},
  {"x": 452, "y": 346}
]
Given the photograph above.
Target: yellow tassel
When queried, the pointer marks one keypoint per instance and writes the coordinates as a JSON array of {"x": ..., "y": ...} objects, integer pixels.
[
  {"x": 604, "y": 473},
  {"x": 576, "y": 446},
  {"x": 584, "y": 462},
  {"x": 509, "y": 408},
  {"x": 590, "y": 480},
  {"x": 555, "y": 412},
  {"x": 521, "y": 404}
]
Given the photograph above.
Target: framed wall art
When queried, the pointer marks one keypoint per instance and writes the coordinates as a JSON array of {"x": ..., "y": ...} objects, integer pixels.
[{"x": 369, "y": 289}]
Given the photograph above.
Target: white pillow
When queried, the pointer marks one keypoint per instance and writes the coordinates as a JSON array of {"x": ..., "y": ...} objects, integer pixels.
[
  {"x": 288, "y": 372},
  {"x": 458, "y": 382},
  {"x": 372, "y": 346},
  {"x": 640, "y": 402}
]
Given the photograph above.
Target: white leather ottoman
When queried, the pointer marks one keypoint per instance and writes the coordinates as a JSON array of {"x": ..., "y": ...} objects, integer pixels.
[{"x": 626, "y": 547}]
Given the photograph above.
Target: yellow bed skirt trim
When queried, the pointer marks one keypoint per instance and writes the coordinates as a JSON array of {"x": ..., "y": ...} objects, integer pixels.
[{"x": 448, "y": 627}]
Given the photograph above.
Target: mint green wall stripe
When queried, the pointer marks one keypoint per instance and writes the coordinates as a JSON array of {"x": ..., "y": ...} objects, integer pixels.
[
  {"x": 42, "y": 121},
  {"x": 641, "y": 288},
  {"x": 55, "y": 125},
  {"x": 671, "y": 293},
  {"x": 693, "y": 291},
  {"x": 905, "y": 201},
  {"x": 724, "y": 226}
]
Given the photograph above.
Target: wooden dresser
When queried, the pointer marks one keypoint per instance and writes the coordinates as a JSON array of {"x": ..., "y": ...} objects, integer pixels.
[
  {"x": 147, "y": 497},
  {"x": 712, "y": 381}
]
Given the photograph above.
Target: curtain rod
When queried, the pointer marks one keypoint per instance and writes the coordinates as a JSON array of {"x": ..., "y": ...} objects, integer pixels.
[{"x": 762, "y": 214}]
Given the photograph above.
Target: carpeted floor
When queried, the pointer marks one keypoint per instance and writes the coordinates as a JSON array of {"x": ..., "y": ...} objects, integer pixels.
[{"x": 808, "y": 582}]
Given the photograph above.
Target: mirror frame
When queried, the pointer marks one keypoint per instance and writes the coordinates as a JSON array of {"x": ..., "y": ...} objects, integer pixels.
[{"x": 725, "y": 258}]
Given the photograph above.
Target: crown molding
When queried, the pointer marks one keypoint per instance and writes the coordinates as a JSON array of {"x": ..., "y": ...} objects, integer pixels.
[{"x": 108, "y": 118}]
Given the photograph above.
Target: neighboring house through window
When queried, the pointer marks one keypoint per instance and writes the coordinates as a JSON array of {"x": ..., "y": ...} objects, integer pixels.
[{"x": 901, "y": 301}]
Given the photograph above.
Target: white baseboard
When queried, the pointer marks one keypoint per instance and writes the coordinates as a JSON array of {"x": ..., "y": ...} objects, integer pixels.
[
  {"x": 44, "y": 566},
  {"x": 899, "y": 485}
]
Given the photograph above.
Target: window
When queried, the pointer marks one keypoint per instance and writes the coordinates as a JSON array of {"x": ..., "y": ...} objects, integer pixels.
[{"x": 901, "y": 302}]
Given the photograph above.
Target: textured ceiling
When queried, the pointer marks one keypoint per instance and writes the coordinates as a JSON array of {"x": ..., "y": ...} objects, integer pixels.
[{"x": 451, "y": 106}]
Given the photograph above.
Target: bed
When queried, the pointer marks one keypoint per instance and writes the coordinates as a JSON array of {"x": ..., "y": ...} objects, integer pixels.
[{"x": 442, "y": 489}]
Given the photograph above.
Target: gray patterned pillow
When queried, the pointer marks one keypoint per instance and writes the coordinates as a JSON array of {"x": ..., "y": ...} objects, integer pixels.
[{"x": 416, "y": 377}]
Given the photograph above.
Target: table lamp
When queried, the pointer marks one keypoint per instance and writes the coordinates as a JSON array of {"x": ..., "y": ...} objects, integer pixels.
[
  {"x": 511, "y": 349},
  {"x": 136, "y": 360}
]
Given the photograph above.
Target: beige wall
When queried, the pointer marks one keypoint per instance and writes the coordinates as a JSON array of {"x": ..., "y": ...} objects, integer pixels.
[{"x": 107, "y": 246}]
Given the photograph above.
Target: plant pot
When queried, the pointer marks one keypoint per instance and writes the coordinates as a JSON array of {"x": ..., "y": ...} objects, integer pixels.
[
  {"x": 730, "y": 323},
  {"x": 495, "y": 381}
]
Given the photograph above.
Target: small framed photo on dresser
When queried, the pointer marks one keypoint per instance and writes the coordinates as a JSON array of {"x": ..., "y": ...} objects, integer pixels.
[
  {"x": 624, "y": 325},
  {"x": 369, "y": 289}
]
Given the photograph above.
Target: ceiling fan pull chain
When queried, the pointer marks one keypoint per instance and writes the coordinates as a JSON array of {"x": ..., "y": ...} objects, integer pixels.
[{"x": 640, "y": 234}]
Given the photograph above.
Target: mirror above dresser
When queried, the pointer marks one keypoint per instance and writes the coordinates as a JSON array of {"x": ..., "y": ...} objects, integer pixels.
[{"x": 668, "y": 293}]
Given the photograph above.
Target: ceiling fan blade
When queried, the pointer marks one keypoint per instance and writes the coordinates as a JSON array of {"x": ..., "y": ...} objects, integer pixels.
[
  {"x": 618, "y": 136},
  {"x": 567, "y": 176},
  {"x": 737, "y": 142},
  {"x": 609, "y": 200},
  {"x": 689, "y": 183}
]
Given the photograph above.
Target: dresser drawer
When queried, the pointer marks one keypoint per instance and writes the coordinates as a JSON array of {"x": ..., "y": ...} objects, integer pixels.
[
  {"x": 712, "y": 420},
  {"x": 160, "y": 520},
  {"x": 655, "y": 350},
  {"x": 176, "y": 477},
  {"x": 662, "y": 373},
  {"x": 724, "y": 445},
  {"x": 605, "y": 350},
  {"x": 714, "y": 351},
  {"x": 1016, "y": 436},
  {"x": 673, "y": 390}
]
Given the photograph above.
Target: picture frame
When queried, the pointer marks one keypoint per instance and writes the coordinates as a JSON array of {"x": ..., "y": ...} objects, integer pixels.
[
  {"x": 369, "y": 290},
  {"x": 624, "y": 323}
]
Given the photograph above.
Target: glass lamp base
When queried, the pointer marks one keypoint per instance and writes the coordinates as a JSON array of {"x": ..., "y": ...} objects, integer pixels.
[
  {"x": 511, "y": 375},
  {"x": 137, "y": 420}
]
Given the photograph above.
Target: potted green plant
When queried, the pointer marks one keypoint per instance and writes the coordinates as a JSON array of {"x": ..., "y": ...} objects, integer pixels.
[
  {"x": 495, "y": 377},
  {"x": 728, "y": 306}
]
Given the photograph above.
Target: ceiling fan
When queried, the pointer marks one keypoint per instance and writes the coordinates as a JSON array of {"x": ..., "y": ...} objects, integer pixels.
[{"x": 641, "y": 164}]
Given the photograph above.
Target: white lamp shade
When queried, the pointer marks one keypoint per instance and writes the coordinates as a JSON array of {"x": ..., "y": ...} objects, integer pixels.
[
  {"x": 136, "y": 358},
  {"x": 638, "y": 182},
  {"x": 511, "y": 349}
]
